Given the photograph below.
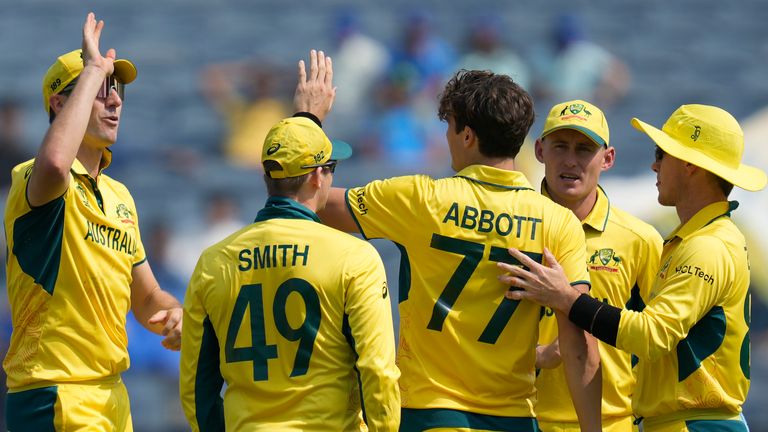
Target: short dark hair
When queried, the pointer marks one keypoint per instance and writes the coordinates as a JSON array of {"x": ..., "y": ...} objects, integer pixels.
[
  {"x": 287, "y": 187},
  {"x": 498, "y": 110},
  {"x": 64, "y": 92},
  {"x": 725, "y": 185}
]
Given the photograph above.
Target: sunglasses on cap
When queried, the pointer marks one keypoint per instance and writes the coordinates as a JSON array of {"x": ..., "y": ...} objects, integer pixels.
[
  {"x": 331, "y": 165},
  {"x": 110, "y": 83},
  {"x": 659, "y": 153}
]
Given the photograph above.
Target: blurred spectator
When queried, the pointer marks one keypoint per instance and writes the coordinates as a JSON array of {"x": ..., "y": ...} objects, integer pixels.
[
  {"x": 359, "y": 62},
  {"x": 243, "y": 94},
  {"x": 152, "y": 379},
  {"x": 432, "y": 58},
  {"x": 12, "y": 151},
  {"x": 576, "y": 68},
  {"x": 486, "y": 51},
  {"x": 148, "y": 356},
  {"x": 398, "y": 135},
  {"x": 221, "y": 219}
]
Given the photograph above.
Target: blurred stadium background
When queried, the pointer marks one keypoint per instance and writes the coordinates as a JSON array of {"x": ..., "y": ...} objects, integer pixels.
[{"x": 188, "y": 191}]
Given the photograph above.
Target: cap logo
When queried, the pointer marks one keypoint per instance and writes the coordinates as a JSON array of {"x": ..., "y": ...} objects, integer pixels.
[
  {"x": 319, "y": 157},
  {"x": 696, "y": 133},
  {"x": 273, "y": 149},
  {"x": 55, "y": 84},
  {"x": 575, "y": 109}
]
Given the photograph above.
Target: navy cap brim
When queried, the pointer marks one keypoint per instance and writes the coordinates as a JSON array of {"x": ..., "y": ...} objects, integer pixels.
[{"x": 341, "y": 150}]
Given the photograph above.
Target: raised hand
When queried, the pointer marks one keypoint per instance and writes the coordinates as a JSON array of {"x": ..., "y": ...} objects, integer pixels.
[
  {"x": 91, "y": 54},
  {"x": 543, "y": 284},
  {"x": 315, "y": 93}
]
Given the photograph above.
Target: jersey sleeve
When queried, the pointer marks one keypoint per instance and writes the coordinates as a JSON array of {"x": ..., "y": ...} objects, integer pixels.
[
  {"x": 200, "y": 379},
  {"x": 648, "y": 263},
  {"x": 385, "y": 208},
  {"x": 691, "y": 287},
  {"x": 370, "y": 332}
]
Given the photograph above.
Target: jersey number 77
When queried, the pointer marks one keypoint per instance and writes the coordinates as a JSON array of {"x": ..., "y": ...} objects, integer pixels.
[{"x": 473, "y": 253}]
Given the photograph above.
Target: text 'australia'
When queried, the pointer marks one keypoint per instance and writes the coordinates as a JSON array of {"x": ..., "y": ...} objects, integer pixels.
[{"x": 110, "y": 237}]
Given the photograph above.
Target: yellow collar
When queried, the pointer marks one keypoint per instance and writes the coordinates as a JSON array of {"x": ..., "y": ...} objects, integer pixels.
[
  {"x": 703, "y": 218},
  {"x": 501, "y": 178},
  {"x": 106, "y": 160},
  {"x": 598, "y": 216}
]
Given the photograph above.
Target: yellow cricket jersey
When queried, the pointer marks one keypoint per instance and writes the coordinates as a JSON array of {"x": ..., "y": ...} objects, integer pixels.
[
  {"x": 693, "y": 336},
  {"x": 295, "y": 317},
  {"x": 69, "y": 274},
  {"x": 623, "y": 258},
  {"x": 463, "y": 345}
]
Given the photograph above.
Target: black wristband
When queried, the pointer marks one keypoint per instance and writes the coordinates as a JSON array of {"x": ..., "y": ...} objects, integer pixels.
[
  {"x": 584, "y": 310},
  {"x": 596, "y": 317},
  {"x": 310, "y": 116}
]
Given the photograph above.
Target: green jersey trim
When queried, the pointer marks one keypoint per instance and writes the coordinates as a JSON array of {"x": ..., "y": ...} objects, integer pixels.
[
  {"x": 404, "y": 279},
  {"x": 704, "y": 338},
  {"x": 716, "y": 425},
  {"x": 351, "y": 212},
  {"x": 32, "y": 409},
  {"x": 278, "y": 207},
  {"x": 425, "y": 419},
  {"x": 37, "y": 240},
  {"x": 209, "y": 407}
]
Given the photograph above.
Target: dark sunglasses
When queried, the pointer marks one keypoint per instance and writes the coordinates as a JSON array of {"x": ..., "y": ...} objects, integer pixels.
[
  {"x": 107, "y": 86},
  {"x": 659, "y": 154},
  {"x": 331, "y": 165}
]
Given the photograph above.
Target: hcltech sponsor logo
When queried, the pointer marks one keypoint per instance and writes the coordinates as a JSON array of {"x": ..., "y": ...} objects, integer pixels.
[{"x": 695, "y": 271}]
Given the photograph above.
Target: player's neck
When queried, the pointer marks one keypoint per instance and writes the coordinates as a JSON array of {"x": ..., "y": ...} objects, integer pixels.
[
  {"x": 691, "y": 203},
  {"x": 91, "y": 159},
  {"x": 582, "y": 207},
  {"x": 500, "y": 163}
]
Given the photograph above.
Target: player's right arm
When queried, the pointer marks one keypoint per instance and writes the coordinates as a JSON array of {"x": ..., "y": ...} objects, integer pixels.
[
  {"x": 336, "y": 213},
  {"x": 200, "y": 379},
  {"x": 367, "y": 304},
  {"x": 50, "y": 175}
]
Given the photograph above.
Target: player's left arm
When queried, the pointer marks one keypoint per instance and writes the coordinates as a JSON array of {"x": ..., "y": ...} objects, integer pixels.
[{"x": 157, "y": 310}]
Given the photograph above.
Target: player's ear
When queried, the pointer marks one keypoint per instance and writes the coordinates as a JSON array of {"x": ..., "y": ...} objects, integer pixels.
[
  {"x": 609, "y": 157},
  {"x": 316, "y": 178},
  {"x": 538, "y": 150},
  {"x": 469, "y": 137},
  {"x": 56, "y": 101}
]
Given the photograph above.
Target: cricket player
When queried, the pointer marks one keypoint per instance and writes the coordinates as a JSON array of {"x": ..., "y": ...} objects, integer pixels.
[
  {"x": 466, "y": 354},
  {"x": 294, "y": 316},
  {"x": 76, "y": 263},
  {"x": 692, "y": 338},
  {"x": 622, "y": 258}
]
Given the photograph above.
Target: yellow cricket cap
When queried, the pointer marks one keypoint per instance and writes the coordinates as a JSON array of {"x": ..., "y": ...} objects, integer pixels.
[
  {"x": 581, "y": 116},
  {"x": 708, "y": 137},
  {"x": 299, "y": 145},
  {"x": 68, "y": 67}
]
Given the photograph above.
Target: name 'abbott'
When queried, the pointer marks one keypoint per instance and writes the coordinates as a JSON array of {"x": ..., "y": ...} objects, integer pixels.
[{"x": 485, "y": 221}]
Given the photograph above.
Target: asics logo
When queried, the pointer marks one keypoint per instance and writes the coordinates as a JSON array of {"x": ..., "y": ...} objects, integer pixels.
[{"x": 273, "y": 149}]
